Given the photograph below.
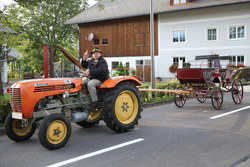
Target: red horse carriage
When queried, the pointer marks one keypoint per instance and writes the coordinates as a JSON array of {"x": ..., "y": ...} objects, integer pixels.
[{"x": 209, "y": 82}]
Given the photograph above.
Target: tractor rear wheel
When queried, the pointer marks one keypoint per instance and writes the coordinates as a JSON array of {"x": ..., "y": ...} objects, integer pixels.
[
  {"x": 122, "y": 107},
  {"x": 15, "y": 131},
  {"x": 93, "y": 119},
  {"x": 55, "y": 131}
]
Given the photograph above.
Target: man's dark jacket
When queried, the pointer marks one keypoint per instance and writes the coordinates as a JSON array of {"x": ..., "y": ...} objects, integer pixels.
[{"x": 98, "y": 70}]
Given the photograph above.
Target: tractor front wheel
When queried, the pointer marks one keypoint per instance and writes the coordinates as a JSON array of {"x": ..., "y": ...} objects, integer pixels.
[
  {"x": 55, "y": 131},
  {"x": 15, "y": 131},
  {"x": 122, "y": 107}
]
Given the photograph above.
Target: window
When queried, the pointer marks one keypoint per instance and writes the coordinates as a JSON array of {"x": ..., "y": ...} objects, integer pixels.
[
  {"x": 139, "y": 62},
  {"x": 236, "y": 60},
  {"x": 96, "y": 41},
  {"x": 210, "y": 63},
  {"x": 179, "y": 36},
  {"x": 105, "y": 41},
  {"x": 236, "y": 32},
  {"x": 139, "y": 39},
  {"x": 179, "y": 2},
  {"x": 115, "y": 64},
  {"x": 176, "y": 60},
  {"x": 212, "y": 34}
]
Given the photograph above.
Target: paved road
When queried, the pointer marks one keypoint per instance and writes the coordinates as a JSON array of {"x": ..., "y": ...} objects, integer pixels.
[{"x": 166, "y": 137}]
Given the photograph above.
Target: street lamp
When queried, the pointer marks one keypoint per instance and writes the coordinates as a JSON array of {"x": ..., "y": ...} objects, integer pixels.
[
  {"x": 152, "y": 46},
  {"x": 5, "y": 51}
]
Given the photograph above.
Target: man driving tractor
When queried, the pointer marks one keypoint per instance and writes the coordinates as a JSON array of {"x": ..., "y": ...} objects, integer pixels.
[{"x": 96, "y": 73}]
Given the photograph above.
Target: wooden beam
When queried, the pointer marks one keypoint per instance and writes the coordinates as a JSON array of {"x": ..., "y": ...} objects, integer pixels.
[{"x": 167, "y": 91}]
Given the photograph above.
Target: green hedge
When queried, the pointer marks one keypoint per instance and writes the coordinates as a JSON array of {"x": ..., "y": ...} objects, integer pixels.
[
  {"x": 5, "y": 109},
  {"x": 170, "y": 85}
]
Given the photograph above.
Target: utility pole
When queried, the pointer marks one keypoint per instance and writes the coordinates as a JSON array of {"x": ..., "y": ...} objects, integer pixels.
[{"x": 152, "y": 46}]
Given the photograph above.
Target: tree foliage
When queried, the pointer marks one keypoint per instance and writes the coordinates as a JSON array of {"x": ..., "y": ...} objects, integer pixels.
[
  {"x": 39, "y": 22},
  {"x": 42, "y": 21}
]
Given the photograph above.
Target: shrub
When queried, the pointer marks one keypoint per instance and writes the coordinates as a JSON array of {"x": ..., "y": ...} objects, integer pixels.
[
  {"x": 133, "y": 71},
  {"x": 120, "y": 70},
  {"x": 5, "y": 109},
  {"x": 169, "y": 85}
]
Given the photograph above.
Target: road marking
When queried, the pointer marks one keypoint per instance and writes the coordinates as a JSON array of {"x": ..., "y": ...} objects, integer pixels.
[
  {"x": 95, "y": 153},
  {"x": 228, "y": 113}
]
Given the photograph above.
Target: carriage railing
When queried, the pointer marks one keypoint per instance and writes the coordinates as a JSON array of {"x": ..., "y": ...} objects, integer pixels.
[{"x": 206, "y": 64}]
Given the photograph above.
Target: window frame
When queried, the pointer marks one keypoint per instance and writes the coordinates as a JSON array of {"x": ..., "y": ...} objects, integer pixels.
[
  {"x": 236, "y": 59},
  {"x": 236, "y": 25},
  {"x": 217, "y": 33},
  {"x": 95, "y": 40},
  {"x": 179, "y": 3},
  {"x": 105, "y": 39},
  {"x": 178, "y": 30},
  {"x": 113, "y": 63},
  {"x": 179, "y": 58}
]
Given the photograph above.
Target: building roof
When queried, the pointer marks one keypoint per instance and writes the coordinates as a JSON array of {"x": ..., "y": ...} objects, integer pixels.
[{"x": 131, "y": 8}]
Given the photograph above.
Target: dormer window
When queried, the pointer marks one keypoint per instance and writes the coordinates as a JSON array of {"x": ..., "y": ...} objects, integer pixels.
[
  {"x": 176, "y": 2},
  {"x": 179, "y": 2}
]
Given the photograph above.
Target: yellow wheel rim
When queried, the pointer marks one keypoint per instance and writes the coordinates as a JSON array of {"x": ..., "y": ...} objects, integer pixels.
[
  {"x": 18, "y": 129},
  {"x": 93, "y": 116},
  {"x": 126, "y": 107},
  {"x": 56, "y": 132}
]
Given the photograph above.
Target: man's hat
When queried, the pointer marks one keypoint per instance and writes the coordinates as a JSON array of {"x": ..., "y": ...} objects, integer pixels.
[{"x": 96, "y": 50}]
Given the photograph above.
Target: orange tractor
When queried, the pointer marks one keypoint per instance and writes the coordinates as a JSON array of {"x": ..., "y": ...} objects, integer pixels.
[{"x": 55, "y": 103}]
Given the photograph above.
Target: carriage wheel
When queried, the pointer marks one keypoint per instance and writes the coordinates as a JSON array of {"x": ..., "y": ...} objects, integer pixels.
[
  {"x": 201, "y": 98},
  {"x": 179, "y": 98},
  {"x": 237, "y": 91},
  {"x": 217, "y": 98}
]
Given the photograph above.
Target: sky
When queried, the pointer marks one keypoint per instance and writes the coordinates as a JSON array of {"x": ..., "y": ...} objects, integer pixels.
[{"x": 7, "y": 2}]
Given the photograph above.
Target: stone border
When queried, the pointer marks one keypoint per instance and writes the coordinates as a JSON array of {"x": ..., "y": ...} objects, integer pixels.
[{"x": 155, "y": 104}]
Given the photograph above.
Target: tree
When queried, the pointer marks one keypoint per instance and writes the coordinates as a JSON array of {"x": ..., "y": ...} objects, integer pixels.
[
  {"x": 42, "y": 22},
  {"x": 8, "y": 37}
]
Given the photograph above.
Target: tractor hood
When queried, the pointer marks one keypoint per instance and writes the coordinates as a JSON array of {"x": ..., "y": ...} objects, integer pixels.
[{"x": 25, "y": 94}]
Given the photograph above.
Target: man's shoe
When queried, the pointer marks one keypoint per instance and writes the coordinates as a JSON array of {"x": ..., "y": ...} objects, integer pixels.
[{"x": 94, "y": 105}]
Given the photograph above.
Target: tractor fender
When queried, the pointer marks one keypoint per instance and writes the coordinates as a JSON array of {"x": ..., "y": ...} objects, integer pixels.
[{"x": 112, "y": 82}]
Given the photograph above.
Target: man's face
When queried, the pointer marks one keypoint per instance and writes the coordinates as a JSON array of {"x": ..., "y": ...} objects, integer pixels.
[{"x": 96, "y": 55}]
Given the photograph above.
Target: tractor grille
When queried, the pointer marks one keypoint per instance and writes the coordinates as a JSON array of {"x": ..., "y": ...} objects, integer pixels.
[
  {"x": 52, "y": 88},
  {"x": 15, "y": 99}
]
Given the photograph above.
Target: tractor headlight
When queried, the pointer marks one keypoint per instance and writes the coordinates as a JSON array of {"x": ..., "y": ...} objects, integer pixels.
[{"x": 65, "y": 95}]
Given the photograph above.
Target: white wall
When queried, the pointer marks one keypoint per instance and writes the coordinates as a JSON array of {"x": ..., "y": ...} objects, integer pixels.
[
  {"x": 131, "y": 60},
  {"x": 195, "y": 23}
]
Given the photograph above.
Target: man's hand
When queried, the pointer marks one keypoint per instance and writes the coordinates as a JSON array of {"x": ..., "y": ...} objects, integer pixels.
[
  {"x": 86, "y": 73},
  {"x": 85, "y": 55}
]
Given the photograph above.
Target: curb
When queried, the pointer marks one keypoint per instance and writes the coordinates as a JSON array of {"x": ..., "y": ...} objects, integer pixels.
[
  {"x": 145, "y": 106},
  {"x": 2, "y": 132},
  {"x": 156, "y": 104}
]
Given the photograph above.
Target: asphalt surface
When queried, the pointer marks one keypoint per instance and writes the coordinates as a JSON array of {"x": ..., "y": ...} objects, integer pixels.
[{"x": 166, "y": 136}]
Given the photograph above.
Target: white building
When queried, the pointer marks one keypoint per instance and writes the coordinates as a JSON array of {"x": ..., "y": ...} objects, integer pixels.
[{"x": 186, "y": 28}]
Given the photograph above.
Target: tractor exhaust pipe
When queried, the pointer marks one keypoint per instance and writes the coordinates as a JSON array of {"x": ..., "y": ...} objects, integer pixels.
[{"x": 79, "y": 116}]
